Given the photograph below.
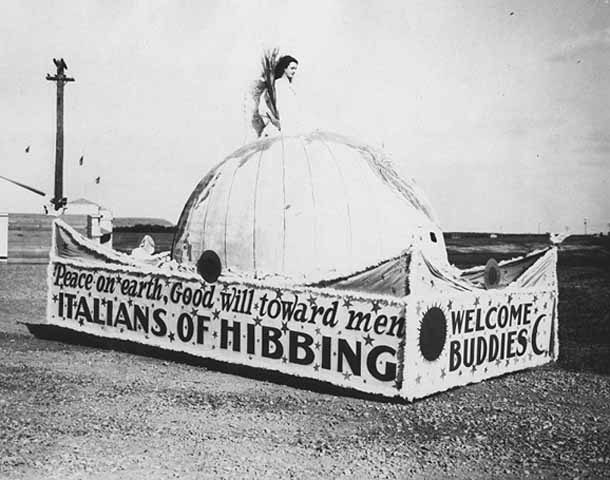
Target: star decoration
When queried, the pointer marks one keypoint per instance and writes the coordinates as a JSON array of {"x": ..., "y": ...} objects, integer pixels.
[
  {"x": 81, "y": 322},
  {"x": 257, "y": 321},
  {"x": 375, "y": 308},
  {"x": 225, "y": 287},
  {"x": 278, "y": 293},
  {"x": 89, "y": 294},
  {"x": 443, "y": 373},
  {"x": 476, "y": 301},
  {"x": 119, "y": 279},
  {"x": 256, "y": 306},
  {"x": 167, "y": 282},
  {"x": 316, "y": 367},
  {"x": 215, "y": 334},
  {"x": 285, "y": 327},
  {"x": 347, "y": 376},
  {"x": 215, "y": 314},
  {"x": 489, "y": 303},
  {"x": 485, "y": 370},
  {"x": 116, "y": 299},
  {"x": 130, "y": 302},
  {"x": 171, "y": 336},
  {"x": 347, "y": 302},
  {"x": 194, "y": 312},
  {"x": 165, "y": 300},
  {"x": 312, "y": 301},
  {"x": 122, "y": 330},
  {"x": 284, "y": 359},
  {"x": 545, "y": 305},
  {"x": 397, "y": 384},
  {"x": 317, "y": 331},
  {"x": 104, "y": 301},
  {"x": 507, "y": 362},
  {"x": 535, "y": 299},
  {"x": 55, "y": 298},
  {"x": 473, "y": 369},
  {"x": 317, "y": 345},
  {"x": 418, "y": 379},
  {"x": 368, "y": 340},
  {"x": 449, "y": 304},
  {"x": 510, "y": 298}
]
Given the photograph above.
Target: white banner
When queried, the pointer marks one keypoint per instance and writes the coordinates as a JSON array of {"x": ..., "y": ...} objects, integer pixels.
[
  {"x": 472, "y": 337},
  {"x": 347, "y": 340}
]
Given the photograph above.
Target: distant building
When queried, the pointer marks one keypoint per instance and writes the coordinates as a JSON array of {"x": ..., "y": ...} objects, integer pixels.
[
  {"x": 100, "y": 226},
  {"x": 82, "y": 206}
]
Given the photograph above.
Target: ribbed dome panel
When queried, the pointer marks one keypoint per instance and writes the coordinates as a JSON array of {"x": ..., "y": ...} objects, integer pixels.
[{"x": 306, "y": 207}]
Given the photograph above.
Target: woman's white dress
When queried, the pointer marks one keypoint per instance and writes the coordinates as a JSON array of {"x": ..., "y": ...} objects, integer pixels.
[{"x": 287, "y": 107}]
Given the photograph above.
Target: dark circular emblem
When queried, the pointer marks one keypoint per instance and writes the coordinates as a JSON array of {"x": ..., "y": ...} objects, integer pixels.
[
  {"x": 209, "y": 266},
  {"x": 493, "y": 274},
  {"x": 432, "y": 333}
]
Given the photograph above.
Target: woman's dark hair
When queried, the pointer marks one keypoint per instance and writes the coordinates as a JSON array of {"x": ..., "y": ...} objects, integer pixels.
[{"x": 282, "y": 64}]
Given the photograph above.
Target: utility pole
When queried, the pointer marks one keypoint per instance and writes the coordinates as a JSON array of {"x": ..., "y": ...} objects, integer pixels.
[{"x": 59, "y": 200}]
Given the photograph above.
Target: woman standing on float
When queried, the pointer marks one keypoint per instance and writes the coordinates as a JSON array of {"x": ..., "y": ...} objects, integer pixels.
[{"x": 286, "y": 107}]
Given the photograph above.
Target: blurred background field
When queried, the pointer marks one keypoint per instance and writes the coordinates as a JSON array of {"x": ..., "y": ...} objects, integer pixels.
[{"x": 30, "y": 238}]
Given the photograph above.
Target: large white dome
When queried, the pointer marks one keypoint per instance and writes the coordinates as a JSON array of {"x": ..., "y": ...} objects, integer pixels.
[{"x": 306, "y": 207}]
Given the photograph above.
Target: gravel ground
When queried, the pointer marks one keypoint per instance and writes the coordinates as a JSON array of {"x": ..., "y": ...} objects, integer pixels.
[{"x": 69, "y": 411}]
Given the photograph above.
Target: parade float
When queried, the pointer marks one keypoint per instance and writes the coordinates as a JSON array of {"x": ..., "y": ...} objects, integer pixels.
[{"x": 310, "y": 256}]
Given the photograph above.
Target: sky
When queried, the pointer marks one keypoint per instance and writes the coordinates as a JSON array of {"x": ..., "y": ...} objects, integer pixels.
[{"x": 500, "y": 110}]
